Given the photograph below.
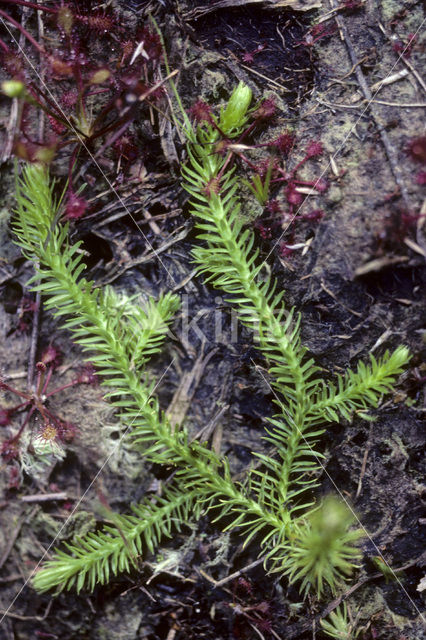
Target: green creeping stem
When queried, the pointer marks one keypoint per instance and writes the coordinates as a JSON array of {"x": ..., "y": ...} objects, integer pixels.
[
  {"x": 231, "y": 263},
  {"x": 120, "y": 337},
  {"x": 119, "y": 344}
]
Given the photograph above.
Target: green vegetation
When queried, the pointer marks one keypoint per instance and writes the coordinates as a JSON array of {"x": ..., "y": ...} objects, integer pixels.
[{"x": 314, "y": 544}]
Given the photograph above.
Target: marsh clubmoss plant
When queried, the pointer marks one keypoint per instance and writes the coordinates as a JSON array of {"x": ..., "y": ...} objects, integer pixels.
[{"x": 310, "y": 543}]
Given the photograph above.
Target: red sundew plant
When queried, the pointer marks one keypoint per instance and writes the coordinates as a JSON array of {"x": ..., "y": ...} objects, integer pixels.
[
  {"x": 405, "y": 48},
  {"x": 248, "y": 56},
  {"x": 27, "y": 307},
  {"x": 201, "y": 112},
  {"x": 268, "y": 174},
  {"x": 416, "y": 149},
  {"x": 295, "y": 192},
  {"x": 94, "y": 76},
  {"x": 249, "y": 611},
  {"x": 317, "y": 32},
  {"x": 76, "y": 206},
  {"x": 51, "y": 428}
]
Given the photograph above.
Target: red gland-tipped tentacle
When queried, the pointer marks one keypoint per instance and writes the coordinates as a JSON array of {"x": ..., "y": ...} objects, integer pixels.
[
  {"x": 5, "y": 416},
  {"x": 51, "y": 356},
  {"x": 9, "y": 450},
  {"x": 315, "y": 215},
  {"x": 76, "y": 206},
  {"x": 313, "y": 150},
  {"x": 98, "y": 21},
  {"x": 201, "y": 112},
  {"x": 283, "y": 143},
  {"x": 267, "y": 109}
]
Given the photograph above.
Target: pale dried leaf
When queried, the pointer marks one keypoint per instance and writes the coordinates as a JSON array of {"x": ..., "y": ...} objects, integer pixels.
[{"x": 296, "y": 5}]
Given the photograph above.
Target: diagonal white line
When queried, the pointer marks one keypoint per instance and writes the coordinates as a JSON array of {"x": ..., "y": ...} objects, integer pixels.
[
  {"x": 318, "y": 459},
  {"x": 83, "y": 144},
  {"x": 339, "y": 149},
  {"x": 80, "y": 500}
]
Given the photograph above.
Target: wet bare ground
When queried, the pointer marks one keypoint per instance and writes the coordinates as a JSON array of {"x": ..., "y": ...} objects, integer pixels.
[{"x": 357, "y": 275}]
